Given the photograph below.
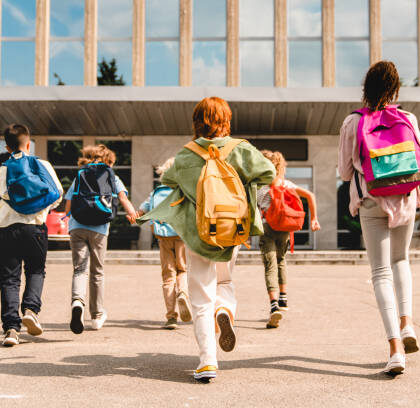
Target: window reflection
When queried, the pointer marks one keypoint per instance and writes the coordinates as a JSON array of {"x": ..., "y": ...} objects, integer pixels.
[
  {"x": 399, "y": 18},
  {"x": 305, "y": 64},
  {"x": 352, "y": 62},
  {"x": 162, "y": 18},
  {"x": 18, "y": 66},
  {"x": 162, "y": 63},
  {"x": 257, "y": 63},
  {"x": 209, "y": 18},
  {"x": 209, "y": 63},
  {"x": 67, "y": 18},
  {"x": 66, "y": 63},
  {"x": 18, "y": 18},
  {"x": 304, "y": 18},
  {"x": 256, "y": 18},
  {"x": 352, "y": 18},
  {"x": 115, "y": 21},
  {"x": 121, "y": 51},
  {"x": 404, "y": 56}
]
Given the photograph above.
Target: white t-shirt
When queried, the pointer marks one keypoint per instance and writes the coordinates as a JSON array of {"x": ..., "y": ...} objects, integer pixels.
[{"x": 264, "y": 198}]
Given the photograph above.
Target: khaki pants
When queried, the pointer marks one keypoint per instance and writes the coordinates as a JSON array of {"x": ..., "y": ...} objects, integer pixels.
[
  {"x": 273, "y": 245},
  {"x": 174, "y": 272},
  {"x": 87, "y": 244}
]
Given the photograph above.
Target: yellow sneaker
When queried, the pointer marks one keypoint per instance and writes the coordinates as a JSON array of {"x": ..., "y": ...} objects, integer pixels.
[{"x": 205, "y": 373}]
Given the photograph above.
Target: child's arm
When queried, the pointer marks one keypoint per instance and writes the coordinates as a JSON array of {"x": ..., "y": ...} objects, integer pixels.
[
  {"x": 128, "y": 207},
  {"x": 312, "y": 207},
  {"x": 68, "y": 206}
]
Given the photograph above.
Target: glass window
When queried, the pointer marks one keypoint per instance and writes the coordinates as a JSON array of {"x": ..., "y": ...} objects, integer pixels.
[
  {"x": 115, "y": 21},
  {"x": 67, "y": 18},
  {"x": 304, "y": 18},
  {"x": 66, "y": 63},
  {"x": 404, "y": 55},
  {"x": 257, "y": 63},
  {"x": 209, "y": 18},
  {"x": 162, "y": 18},
  {"x": 209, "y": 63},
  {"x": 162, "y": 63},
  {"x": 305, "y": 64},
  {"x": 256, "y": 18},
  {"x": 18, "y": 18},
  {"x": 399, "y": 18},
  {"x": 121, "y": 51},
  {"x": 352, "y": 62},
  {"x": 18, "y": 63},
  {"x": 352, "y": 18}
]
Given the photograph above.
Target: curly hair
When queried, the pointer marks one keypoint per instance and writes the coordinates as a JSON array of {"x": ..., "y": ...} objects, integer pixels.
[
  {"x": 164, "y": 167},
  {"x": 381, "y": 86},
  {"x": 211, "y": 118},
  {"x": 97, "y": 154},
  {"x": 277, "y": 159}
]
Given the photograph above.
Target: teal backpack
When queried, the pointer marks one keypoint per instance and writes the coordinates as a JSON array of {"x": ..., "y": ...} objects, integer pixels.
[{"x": 161, "y": 229}]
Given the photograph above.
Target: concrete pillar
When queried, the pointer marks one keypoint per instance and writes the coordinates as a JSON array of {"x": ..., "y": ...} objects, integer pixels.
[
  {"x": 139, "y": 43},
  {"x": 42, "y": 42},
  {"x": 375, "y": 31},
  {"x": 280, "y": 43},
  {"x": 232, "y": 43},
  {"x": 185, "y": 42},
  {"x": 91, "y": 42},
  {"x": 41, "y": 149},
  {"x": 328, "y": 44}
]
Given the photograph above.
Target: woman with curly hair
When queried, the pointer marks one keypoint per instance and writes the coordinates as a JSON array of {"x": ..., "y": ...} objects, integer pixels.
[{"x": 387, "y": 221}]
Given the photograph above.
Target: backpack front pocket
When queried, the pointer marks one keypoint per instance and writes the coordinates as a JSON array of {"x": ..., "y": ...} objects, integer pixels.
[{"x": 393, "y": 161}]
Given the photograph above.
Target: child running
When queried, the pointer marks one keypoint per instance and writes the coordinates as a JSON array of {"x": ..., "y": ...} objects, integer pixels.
[
  {"x": 88, "y": 240},
  {"x": 210, "y": 266},
  {"x": 274, "y": 244},
  {"x": 381, "y": 159},
  {"x": 172, "y": 257},
  {"x": 29, "y": 188}
]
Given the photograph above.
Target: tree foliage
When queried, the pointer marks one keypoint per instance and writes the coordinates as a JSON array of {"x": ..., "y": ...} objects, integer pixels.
[{"x": 108, "y": 73}]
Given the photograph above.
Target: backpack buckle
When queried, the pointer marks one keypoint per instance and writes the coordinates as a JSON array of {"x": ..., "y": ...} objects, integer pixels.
[
  {"x": 212, "y": 229},
  {"x": 240, "y": 228}
]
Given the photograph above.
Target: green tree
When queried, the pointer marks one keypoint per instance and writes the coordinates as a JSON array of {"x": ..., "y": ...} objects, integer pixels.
[
  {"x": 58, "y": 78},
  {"x": 108, "y": 73}
]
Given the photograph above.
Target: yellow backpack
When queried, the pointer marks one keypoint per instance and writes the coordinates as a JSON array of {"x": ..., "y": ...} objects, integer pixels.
[{"x": 222, "y": 211}]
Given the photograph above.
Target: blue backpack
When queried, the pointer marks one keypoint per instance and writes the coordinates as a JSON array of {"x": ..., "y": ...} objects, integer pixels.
[
  {"x": 29, "y": 184},
  {"x": 94, "y": 200},
  {"x": 161, "y": 229}
]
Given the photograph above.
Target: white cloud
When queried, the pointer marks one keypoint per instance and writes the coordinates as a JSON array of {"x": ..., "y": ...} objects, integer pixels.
[
  {"x": 352, "y": 18},
  {"x": 205, "y": 73},
  {"x": 257, "y": 63},
  {"x": 256, "y": 18},
  {"x": 115, "y": 21},
  {"x": 162, "y": 17},
  {"x": 65, "y": 12},
  {"x": 399, "y": 18},
  {"x": 62, "y": 47},
  {"x": 19, "y": 15},
  {"x": 304, "y": 18}
]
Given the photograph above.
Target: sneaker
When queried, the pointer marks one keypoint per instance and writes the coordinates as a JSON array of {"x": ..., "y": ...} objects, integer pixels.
[
  {"x": 171, "y": 324},
  {"x": 99, "y": 322},
  {"x": 409, "y": 339},
  {"x": 31, "y": 322},
  {"x": 227, "y": 339},
  {"x": 11, "y": 338},
  {"x": 275, "y": 317},
  {"x": 205, "y": 373},
  {"x": 184, "y": 307},
  {"x": 283, "y": 302},
  {"x": 77, "y": 317},
  {"x": 396, "y": 364}
]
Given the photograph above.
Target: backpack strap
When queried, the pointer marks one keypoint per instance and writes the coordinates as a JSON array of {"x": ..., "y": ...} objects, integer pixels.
[
  {"x": 229, "y": 146},
  {"x": 359, "y": 189},
  {"x": 197, "y": 149}
]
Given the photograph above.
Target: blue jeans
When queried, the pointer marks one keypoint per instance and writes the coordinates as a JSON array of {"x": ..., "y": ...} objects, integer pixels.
[{"x": 27, "y": 243}]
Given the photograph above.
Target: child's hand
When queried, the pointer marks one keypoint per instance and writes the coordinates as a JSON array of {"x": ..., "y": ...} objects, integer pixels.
[
  {"x": 315, "y": 225},
  {"x": 132, "y": 216}
]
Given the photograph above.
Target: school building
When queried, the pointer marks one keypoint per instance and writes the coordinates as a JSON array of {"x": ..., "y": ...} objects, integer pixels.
[{"x": 290, "y": 69}]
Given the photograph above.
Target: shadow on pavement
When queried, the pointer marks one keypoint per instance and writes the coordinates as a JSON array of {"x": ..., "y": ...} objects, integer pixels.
[{"x": 172, "y": 367}]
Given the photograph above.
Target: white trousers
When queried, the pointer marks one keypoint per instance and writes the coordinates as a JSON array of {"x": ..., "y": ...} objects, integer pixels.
[
  {"x": 387, "y": 250},
  {"x": 210, "y": 288}
]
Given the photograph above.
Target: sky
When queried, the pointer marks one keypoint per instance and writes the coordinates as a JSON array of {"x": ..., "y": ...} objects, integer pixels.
[{"x": 256, "y": 21}]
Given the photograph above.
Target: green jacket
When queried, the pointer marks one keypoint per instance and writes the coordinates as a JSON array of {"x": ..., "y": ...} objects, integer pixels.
[{"x": 253, "y": 169}]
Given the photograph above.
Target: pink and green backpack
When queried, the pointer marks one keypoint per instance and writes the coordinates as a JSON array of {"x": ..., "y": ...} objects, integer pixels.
[{"x": 389, "y": 152}]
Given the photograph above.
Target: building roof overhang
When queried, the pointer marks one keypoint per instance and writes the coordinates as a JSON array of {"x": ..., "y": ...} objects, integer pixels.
[{"x": 117, "y": 110}]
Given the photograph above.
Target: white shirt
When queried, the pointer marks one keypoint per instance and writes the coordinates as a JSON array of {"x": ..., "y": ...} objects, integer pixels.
[{"x": 9, "y": 216}]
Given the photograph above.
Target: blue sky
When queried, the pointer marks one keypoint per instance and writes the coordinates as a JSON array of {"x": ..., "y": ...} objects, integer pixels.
[{"x": 209, "y": 57}]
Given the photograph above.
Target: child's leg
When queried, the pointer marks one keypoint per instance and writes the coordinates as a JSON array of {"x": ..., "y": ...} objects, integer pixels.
[
  {"x": 80, "y": 256},
  {"x": 97, "y": 246},
  {"x": 181, "y": 266},
  {"x": 282, "y": 243},
  {"x": 36, "y": 247},
  {"x": 269, "y": 256},
  {"x": 168, "y": 265}
]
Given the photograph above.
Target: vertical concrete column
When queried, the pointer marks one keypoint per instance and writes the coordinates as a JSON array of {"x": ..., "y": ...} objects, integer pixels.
[
  {"x": 232, "y": 43},
  {"x": 42, "y": 42},
  {"x": 91, "y": 42},
  {"x": 41, "y": 146},
  {"x": 280, "y": 43},
  {"x": 139, "y": 42},
  {"x": 375, "y": 31},
  {"x": 328, "y": 44},
  {"x": 185, "y": 42}
]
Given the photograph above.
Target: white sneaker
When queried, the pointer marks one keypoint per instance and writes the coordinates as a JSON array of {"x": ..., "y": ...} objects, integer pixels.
[
  {"x": 227, "y": 339},
  {"x": 98, "y": 323},
  {"x": 396, "y": 364},
  {"x": 409, "y": 339},
  {"x": 77, "y": 316}
]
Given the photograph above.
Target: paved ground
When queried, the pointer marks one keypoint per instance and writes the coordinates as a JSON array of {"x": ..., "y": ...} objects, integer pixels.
[{"x": 328, "y": 351}]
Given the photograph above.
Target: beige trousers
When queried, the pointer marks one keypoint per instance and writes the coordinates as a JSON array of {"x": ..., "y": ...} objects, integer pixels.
[
  {"x": 174, "y": 272},
  {"x": 87, "y": 244}
]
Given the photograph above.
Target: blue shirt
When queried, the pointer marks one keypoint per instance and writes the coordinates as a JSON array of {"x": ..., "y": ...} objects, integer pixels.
[{"x": 100, "y": 229}]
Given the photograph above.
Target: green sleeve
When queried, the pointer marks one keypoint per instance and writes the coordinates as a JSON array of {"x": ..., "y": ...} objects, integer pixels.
[{"x": 169, "y": 177}]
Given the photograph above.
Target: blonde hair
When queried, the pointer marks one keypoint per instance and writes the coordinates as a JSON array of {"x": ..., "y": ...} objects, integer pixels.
[
  {"x": 97, "y": 154},
  {"x": 278, "y": 160},
  {"x": 164, "y": 167}
]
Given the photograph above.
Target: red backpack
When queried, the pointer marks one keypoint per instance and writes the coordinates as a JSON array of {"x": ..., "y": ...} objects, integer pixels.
[{"x": 286, "y": 211}]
